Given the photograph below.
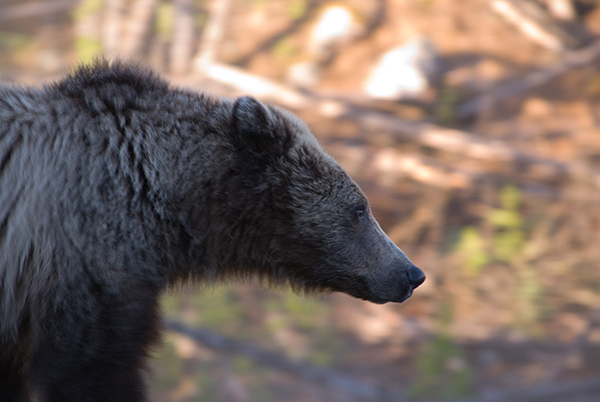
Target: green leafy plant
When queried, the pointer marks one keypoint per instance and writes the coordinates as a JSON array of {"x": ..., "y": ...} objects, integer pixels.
[
  {"x": 448, "y": 100},
  {"x": 87, "y": 46},
  {"x": 508, "y": 238},
  {"x": 297, "y": 9},
  {"x": 14, "y": 41},
  {"x": 471, "y": 246},
  {"x": 284, "y": 49},
  {"x": 509, "y": 234},
  {"x": 163, "y": 22},
  {"x": 508, "y": 244}
]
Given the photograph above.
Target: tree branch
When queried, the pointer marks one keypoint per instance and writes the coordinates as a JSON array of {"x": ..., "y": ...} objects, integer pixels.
[
  {"x": 535, "y": 23},
  {"x": 572, "y": 60},
  {"x": 427, "y": 134}
]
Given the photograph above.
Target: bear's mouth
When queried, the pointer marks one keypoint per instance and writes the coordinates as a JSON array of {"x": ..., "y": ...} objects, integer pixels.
[
  {"x": 400, "y": 299},
  {"x": 409, "y": 281},
  {"x": 405, "y": 297},
  {"x": 383, "y": 289}
]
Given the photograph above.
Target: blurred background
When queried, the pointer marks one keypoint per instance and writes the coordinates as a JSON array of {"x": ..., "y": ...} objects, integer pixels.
[{"x": 472, "y": 126}]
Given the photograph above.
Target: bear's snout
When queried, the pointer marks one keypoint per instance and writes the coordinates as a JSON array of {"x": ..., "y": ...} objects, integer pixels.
[
  {"x": 416, "y": 277},
  {"x": 394, "y": 276},
  {"x": 397, "y": 285}
]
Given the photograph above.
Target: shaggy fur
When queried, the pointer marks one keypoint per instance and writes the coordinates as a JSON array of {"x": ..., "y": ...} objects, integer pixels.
[{"x": 114, "y": 186}]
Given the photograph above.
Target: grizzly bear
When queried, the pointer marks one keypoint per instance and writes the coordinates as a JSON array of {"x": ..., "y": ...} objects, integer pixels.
[{"x": 114, "y": 185}]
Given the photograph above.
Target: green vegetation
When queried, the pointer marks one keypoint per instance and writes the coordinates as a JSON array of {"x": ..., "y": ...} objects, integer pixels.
[
  {"x": 87, "y": 45},
  {"x": 86, "y": 8},
  {"x": 15, "y": 44},
  {"x": 284, "y": 49},
  {"x": 301, "y": 310},
  {"x": 442, "y": 369},
  {"x": 221, "y": 309},
  {"x": 14, "y": 41},
  {"x": 87, "y": 48},
  {"x": 163, "y": 22},
  {"x": 445, "y": 111},
  {"x": 297, "y": 9},
  {"x": 259, "y": 3},
  {"x": 508, "y": 237},
  {"x": 509, "y": 245},
  {"x": 530, "y": 307},
  {"x": 472, "y": 248},
  {"x": 509, "y": 232}
]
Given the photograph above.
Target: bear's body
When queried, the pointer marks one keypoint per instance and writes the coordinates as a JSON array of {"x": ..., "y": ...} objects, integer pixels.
[{"x": 114, "y": 185}]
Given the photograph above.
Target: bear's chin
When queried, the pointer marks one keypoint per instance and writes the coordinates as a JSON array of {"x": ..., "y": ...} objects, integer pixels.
[
  {"x": 400, "y": 297},
  {"x": 403, "y": 298}
]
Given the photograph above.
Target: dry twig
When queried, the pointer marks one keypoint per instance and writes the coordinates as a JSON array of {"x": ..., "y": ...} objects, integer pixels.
[
  {"x": 571, "y": 60},
  {"x": 430, "y": 135},
  {"x": 562, "y": 9},
  {"x": 535, "y": 23}
]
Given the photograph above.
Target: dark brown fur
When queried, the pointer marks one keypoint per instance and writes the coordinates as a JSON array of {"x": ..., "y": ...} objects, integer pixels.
[{"x": 114, "y": 186}]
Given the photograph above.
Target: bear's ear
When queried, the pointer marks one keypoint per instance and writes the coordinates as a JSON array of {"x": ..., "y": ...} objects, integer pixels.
[
  {"x": 254, "y": 126},
  {"x": 250, "y": 116}
]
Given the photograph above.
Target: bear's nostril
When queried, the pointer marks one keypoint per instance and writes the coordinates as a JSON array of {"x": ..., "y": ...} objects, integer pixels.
[{"x": 416, "y": 277}]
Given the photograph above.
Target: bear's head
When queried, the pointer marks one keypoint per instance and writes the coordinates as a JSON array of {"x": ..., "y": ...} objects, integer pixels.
[{"x": 299, "y": 216}]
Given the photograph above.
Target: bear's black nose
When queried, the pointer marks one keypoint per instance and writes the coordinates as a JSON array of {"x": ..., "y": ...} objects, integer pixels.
[{"x": 416, "y": 277}]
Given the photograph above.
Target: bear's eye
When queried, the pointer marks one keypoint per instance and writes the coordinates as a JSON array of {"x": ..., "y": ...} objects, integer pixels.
[{"x": 360, "y": 212}]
